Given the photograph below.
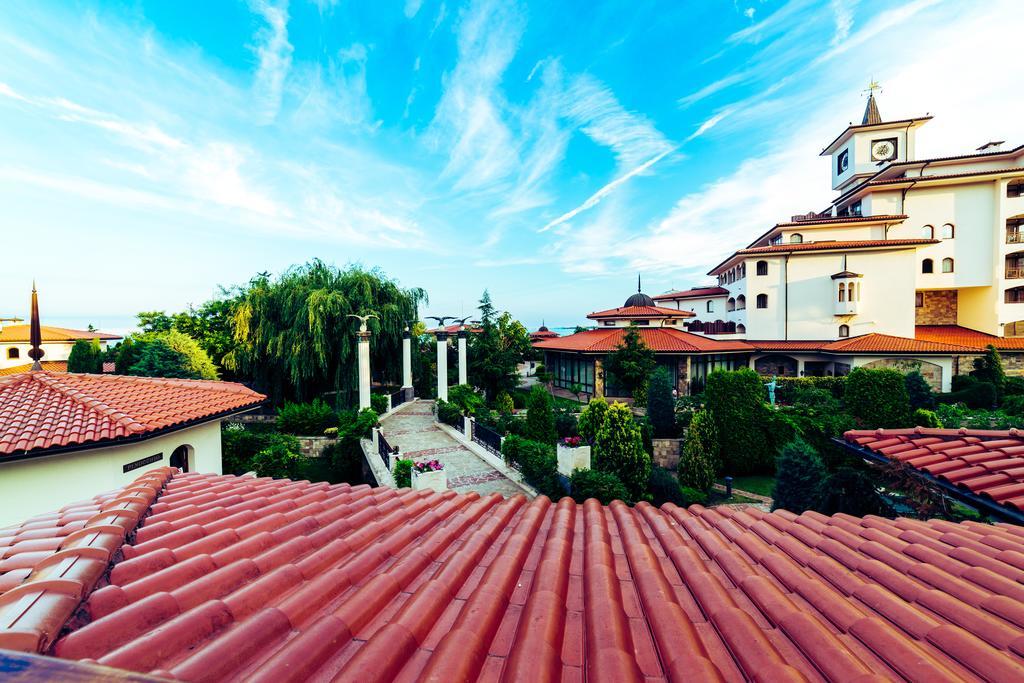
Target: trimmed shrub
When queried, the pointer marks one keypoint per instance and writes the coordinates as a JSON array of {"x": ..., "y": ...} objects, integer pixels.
[
  {"x": 278, "y": 461},
  {"x": 660, "y": 404},
  {"x": 699, "y": 459},
  {"x": 604, "y": 486},
  {"x": 591, "y": 419},
  {"x": 926, "y": 418},
  {"x": 977, "y": 395},
  {"x": 877, "y": 398},
  {"x": 814, "y": 398},
  {"x": 565, "y": 423},
  {"x": 989, "y": 368},
  {"x": 852, "y": 491},
  {"x": 448, "y": 413},
  {"x": 735, "y": 401},
  {"x": 1013, "y": 386},
  {"x": 403, "y": 473},
  {"x": 664, "y": 487},
  {"x": 818, "y": 428},
  {"x": 919, "y": 391},
  {"x": 1014, "y": 405},
  {"x": 786, "y": 386},
  {"x": 540, "y": 418},
  {"x": 537, "y": 462},
  {"x": 306, "y": 419},
  {"x": 961, "y": 382},
  {"x": 618, "y": 449},
  {"x": 799, "y": 478},
  {"x": 504, "y": 404},
  {"x": 380, "y": 403},
  {"x": 240, "y": 445},
  {"x": 467, "y": 399}
]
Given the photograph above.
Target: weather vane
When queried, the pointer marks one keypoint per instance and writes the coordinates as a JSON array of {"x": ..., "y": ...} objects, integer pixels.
[{"x": 873, "y": 85}]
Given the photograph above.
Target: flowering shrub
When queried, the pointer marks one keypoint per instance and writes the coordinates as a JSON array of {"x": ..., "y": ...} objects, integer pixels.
[
  {"x": 573, "y": 441},
  {"x": 428, "y": 466}
]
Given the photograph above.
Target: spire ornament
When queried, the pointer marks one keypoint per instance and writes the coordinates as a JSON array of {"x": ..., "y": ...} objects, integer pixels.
[
  {"x": 35, "y": 332},
  {"x": 871, "y": 114}
]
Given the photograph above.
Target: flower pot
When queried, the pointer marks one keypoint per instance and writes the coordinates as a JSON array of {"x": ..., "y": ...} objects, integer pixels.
[
  {"x": 436, "y": 480},
  {"x": 570, "y": 459}
]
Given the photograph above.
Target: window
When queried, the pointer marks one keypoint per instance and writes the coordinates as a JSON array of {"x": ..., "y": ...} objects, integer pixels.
[
  {"x": 711, "y": 307},
  {"x": 842, "y": 292},
  {"x": 796, "y": 238},
  {"x": 851, "y": 292},
  {"x": 919, "y": 299},
  {"x": 762, "y": 267},
  {"x": 1015, "y": 230},
  {"x": 947, "y": 231},
  {"x": 947, "y": 265},
  {"x": 741, "y": 303},
  {"x": 842, "y": 162},
  {"x": 844, "y": 330},
  {"x": 1015, "y": 329},
  {"x": 927, "y": 266},
  {"x": 741, "y": 329},
  {"x": 928, "y": 232},
  {"x": 762, "y": 301},
  {"x": 13, "y": 353},
  {"x": 609, "y": 323},
  {"x": 730, "y": 305},
  {"x": 1015, "y": 188},
  {"x": 856, "y": 208}
]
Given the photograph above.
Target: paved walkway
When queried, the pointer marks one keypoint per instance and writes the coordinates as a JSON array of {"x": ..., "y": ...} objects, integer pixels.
[{"x": 418, "y": 437}]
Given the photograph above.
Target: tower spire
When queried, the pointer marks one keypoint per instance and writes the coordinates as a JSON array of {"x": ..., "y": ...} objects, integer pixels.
[
  {"x": 638, "y": 282},
  {"x": 871, "y": 115},
  {"x": 35, "y": 332}
]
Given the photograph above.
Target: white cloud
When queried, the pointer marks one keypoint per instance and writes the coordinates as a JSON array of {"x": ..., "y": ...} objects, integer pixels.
[
  {"x": 274, "y": 53},
  {"x": 412, "y": 7},
  {"x": 712, "y": 88},
  {"x": 843, "y": 11}
]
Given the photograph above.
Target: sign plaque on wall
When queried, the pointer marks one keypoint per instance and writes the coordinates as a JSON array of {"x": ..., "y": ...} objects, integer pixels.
[{"x": 136, "y": 464}]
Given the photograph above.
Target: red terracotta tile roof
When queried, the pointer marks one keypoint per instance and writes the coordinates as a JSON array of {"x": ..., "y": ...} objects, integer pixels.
[
  {"x": 20, "y": 333},
  {"x": 453, "y": 329},
  {"x": 887, "y": 343},
  {"x": 230, "y": 578},
  {"x": 659, "y": 339},
  {"x": 48, "y": 365},
  {"x": 631, "y": 312},
  {"x": 45, "y": 410},
  {"x": 987, "y": 463},
  {"x": 828, "y": 220},
  {"x": 825, "y": 245},
  {"x": 787, "y": 345},
  {"x": 963, "y": 336},
  {"x": 694, "y": 293}
]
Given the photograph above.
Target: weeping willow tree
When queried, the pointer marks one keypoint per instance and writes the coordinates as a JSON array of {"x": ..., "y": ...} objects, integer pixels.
[{"x": 294, "y": 339}]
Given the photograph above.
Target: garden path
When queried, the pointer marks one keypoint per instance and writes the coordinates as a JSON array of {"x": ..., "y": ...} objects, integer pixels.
[{"x": 417, "y": 436}]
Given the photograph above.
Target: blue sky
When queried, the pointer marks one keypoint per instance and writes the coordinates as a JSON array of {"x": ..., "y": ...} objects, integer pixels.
[{"x": 150, "y": 151}]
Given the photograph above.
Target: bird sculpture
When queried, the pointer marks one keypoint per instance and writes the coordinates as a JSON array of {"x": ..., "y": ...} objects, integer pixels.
[
  {"x": 441, "y": 320},
  {"x": 362, "y": 319},
  {"x": 462, "y": 321}
]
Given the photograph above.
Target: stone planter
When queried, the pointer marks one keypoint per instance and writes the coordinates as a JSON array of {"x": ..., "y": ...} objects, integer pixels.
[
  {"x": 434, "y": 481},
  {"x": 570, "y": 459}
]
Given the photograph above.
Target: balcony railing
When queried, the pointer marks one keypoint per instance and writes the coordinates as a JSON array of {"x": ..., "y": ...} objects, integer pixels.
[
  {"x": 1014, "y": 272},
  {"x": 1015, "y": 237}
]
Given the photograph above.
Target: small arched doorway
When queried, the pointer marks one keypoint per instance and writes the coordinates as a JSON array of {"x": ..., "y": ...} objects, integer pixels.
[{"x": 180, "y": 458}]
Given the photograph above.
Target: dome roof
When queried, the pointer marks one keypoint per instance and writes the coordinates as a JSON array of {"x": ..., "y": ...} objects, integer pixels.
[
  {"x": 639, "y": 299},
  {"x": 543, "y": 328}
]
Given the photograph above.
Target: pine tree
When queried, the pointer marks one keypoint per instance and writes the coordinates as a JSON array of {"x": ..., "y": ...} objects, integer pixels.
[
  {"x": 540, "y": 419},
  {"x": 699, "y": 460},
  {"x": 619, "y": 449},
  {"x": 631, "y": 365},
  {"x": 799, "y": 478},
  {"x": 661, "y": 408}
]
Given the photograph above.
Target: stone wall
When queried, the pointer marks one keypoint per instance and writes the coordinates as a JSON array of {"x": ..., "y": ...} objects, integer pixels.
[
  {"x": 939, "y": 308},
  {"x": 252, "y": 418},
  {"x": 313, "y": 446},
  {"x": 930, "y": 371},
  {"x": 666, "y": 452}
]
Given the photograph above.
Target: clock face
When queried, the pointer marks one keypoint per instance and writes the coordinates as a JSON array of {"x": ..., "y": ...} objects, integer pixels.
[
  {"x": 843, "y": 161},
  {"x": 883, "y": 150}
]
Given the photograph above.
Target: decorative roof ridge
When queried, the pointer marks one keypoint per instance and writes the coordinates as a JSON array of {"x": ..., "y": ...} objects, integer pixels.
[{"x": 82, "y": 397}]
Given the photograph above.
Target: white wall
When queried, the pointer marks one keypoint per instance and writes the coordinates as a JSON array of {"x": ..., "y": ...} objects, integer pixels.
[
  {"x": 40, "y": 485},
  {"x": 51, "y": 351}
]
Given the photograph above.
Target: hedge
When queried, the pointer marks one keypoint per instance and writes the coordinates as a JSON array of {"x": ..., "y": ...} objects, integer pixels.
[
  {"x": 786, "y": 385},
  {"x": 976, "y": 395},
  {"x": 537, "y": 462},
  {"x": 604, "y": 486},
  {"x": 306, "y": 419},
  {"x": 877, "y": 398},
  {"x": 735, "y": 401}
]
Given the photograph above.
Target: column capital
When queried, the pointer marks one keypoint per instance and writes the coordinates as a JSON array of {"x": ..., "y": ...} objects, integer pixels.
[
  {"x": 463, "y": 333},
  {"x": 441, "y": 335},
  {"x": 363, "y": 335},
  {"x": 406, "y": 334}
]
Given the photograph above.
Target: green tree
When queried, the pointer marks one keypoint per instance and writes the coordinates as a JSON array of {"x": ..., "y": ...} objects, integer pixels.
[
  {"x": 306, "y": 419},
  {"x": 661, "y": 406},
  {"x": 877, "y": 398},
  {"x": 699, "y": 459},
  {"x": 735, "y": 401},
  {"x": 631, "y": 364},
  {"x": 158, "y": 359},
  {"x": 989, "y": 368},
  {"x": 592, "y": 419},
  {"x": 619, "y": 449},
  {"x": 496, "y": 351},
  {"x": 197, "y": 360},
  {"x": 540, "y": 418},
  {"x": 294, "y": 338},
  {"x": 278, "y": 461},
  {"x": 155, "y": 321},
  {"x": 919, "y": 391},
  {"x": 604, "y": 486},
  {"x": 503, "y": 404},
  {"x": 799, "y": 479},
  {"x": 86, "y": 356}
]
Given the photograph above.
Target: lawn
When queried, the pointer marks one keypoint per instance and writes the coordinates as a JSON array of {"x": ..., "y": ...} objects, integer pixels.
[{"x": 759, "y": 484}]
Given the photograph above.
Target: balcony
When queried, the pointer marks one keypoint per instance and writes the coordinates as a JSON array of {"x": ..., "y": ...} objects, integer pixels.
[
  {"x": 1015, "y": 272},
  {"x": 847, "y": 307},
  {"x": 1014, "y": 237}
]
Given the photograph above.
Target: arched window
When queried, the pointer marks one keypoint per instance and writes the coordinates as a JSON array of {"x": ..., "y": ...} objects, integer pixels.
[
  {"x": 730, "y": 305},
  {"x": 947, "y": 265},
  {"x": 762, "y": 267},
  {"x": 741, "y": 303},
  {"x": 13, "y": 352},
  {"x": 927, "y": 266},
  {"x": 762, "y": 301},
  {"x": 947, "y": 231},
  {"x": 711, "y": 307},
  {"x": 1015, "y": 188},
  {"x": 796, "y": 238},
  {"x": 842, "y": 291},
  {"x": 741, "y": 329},
  {"x": 844, "y": 330},
  {"x": 928, "y": 232},
  {"x": 851, "y": 293}
]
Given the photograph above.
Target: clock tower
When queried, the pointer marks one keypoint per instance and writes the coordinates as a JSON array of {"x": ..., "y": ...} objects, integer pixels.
[{"x": 863, "y": 149}]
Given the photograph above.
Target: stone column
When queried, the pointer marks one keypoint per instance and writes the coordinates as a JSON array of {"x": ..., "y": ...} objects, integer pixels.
[
  {"x": 442, "y": 365},
  {"x": 364, "y": 368},
  {"x": 407, "y": 362},
  {"x": 463, "y": 371}
]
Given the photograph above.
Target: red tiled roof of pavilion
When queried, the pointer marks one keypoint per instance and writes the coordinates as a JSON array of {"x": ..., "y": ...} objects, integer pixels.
[
  {"x": 231, "y": 578},
  {"x": 40, "y": 411},
  {"x": 987, "y": 463},
  {"x": 694, "y": 293},
  {"x": 963, "y": 336},
  {"x": 640, "y": 312},
  {"x": 658, "y": 339},
  {"x": 453, "y": 329},
  {"x": 887, "y": 343},
  {"x": 20, "y": 333}
]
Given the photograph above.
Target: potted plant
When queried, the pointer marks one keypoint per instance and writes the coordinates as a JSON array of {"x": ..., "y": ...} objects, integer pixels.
[
  {"x": 429, "y": 474},
  {"x": 573, "y": 454}
]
